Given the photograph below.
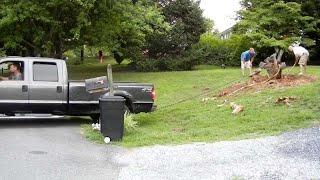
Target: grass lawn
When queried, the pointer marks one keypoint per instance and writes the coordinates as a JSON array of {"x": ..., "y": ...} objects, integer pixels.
[{"x": 194, "y": 120}]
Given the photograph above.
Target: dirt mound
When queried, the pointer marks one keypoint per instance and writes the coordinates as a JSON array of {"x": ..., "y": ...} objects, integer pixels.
[{"x": 259, "y": 83}]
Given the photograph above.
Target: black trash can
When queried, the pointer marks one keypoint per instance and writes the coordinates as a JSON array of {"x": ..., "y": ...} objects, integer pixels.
[{"x": 112, "y": 117}]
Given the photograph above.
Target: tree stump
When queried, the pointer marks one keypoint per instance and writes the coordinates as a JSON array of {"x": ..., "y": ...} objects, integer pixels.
[{"x": 273, "y": 66}]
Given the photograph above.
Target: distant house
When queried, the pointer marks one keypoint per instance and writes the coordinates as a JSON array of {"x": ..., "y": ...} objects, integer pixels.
[{"x": 226, "y": 33}]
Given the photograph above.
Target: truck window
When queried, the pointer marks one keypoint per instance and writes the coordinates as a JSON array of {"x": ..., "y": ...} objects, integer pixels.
[
  {"x": 12, "y": 71},
  {"x": 45, "y": 71}
]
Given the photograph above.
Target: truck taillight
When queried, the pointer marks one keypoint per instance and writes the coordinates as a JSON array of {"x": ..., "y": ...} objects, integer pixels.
[{"x": 153, "y": 94}]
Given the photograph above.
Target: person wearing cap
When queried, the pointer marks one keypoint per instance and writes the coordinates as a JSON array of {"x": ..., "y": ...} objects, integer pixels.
[
  {"x": 247, "y": 58},
  {"x": 301, "y": 56}
]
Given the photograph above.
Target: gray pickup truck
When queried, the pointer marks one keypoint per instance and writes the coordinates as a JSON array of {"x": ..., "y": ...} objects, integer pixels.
[{"x": 43, "y": 87}]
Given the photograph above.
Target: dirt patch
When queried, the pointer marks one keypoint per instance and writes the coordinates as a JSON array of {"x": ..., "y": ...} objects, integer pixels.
[{"x": 258, "y": 83}]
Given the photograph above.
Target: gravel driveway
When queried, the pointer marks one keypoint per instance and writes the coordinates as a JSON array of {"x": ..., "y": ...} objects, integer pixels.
[
  {"x": 293, "y": 155},
  {"x": 55, "y": 149}
]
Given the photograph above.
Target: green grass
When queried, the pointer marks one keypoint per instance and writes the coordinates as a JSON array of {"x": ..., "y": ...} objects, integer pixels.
[
  {"x": 94, "y": 136},
  {"x": 91, "y": 68},
  {"x": 193, "y": 120}
]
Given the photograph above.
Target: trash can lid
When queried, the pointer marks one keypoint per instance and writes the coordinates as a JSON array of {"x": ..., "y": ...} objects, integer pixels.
[{"x": 107, "y": 97}]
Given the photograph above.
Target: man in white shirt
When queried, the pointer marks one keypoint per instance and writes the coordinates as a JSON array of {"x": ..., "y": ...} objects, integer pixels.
[{"x": 302, "y": 55}]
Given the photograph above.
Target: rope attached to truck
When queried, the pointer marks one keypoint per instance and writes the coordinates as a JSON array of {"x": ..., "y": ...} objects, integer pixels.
[{"x": 198, "y": 95}]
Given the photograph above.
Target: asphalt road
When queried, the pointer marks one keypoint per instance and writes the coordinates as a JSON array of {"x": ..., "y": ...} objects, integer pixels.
[
  {"x": 52, "y": 149},
  {"x": 55, "y": 149}
]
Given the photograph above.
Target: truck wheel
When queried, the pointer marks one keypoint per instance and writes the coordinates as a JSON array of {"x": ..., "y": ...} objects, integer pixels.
[{"x": 95, "y": 118}]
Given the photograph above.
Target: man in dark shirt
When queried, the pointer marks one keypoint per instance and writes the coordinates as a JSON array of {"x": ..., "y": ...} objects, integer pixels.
[{"x": 15, "y": 73}]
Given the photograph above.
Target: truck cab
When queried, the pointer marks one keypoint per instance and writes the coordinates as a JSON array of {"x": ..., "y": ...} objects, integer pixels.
[{"x": 43, "y": 87}]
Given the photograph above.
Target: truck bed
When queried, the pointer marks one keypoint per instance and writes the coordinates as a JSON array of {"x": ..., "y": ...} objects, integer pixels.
[{"x": 138, "y": 97}]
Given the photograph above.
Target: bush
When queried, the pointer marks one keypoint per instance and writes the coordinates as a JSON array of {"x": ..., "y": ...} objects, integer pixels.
[
  {"x": 147, "y": 65},
  {"x": 171, "y": 63},
  {"x": 70, "y": 54},
  {"x": 118, "y": 56},
  {"x": 2, "y": 53},
  {"x": 130, "y": 124},
  {"x": 210, "y": 50},
  {"x": 214, "y": 51}
]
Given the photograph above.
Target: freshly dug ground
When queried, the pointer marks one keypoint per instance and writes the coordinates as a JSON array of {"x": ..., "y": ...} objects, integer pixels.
[{"x": 259, "y": 82}]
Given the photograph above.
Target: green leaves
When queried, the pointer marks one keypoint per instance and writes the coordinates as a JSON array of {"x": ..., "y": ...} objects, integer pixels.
[
  {"x": 186, "y": 25},
  {"x": 273, "y": 23},
  {"x": 55, "y": 26},
  {"x": 212, "y": 49}
]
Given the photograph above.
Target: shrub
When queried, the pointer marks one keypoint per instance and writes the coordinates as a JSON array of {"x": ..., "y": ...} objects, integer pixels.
[
  {"x": 182, "y": 62},
  {"x": 215, "y": 51},
  {"x": 2, "y": 53},
  {"x": 70, "y": 54},
  {"x": 118, "y": 56},
  {"x": 129, "y": 123},
  {"x": 147, "y": 65}
]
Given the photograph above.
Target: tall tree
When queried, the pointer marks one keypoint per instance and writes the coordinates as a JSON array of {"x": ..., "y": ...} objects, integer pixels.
[
  {"x": 312, "y": 8},
  {"x": 51, "y": 27},
  {"x": 187, "y": 24},
  {"x": 273, "y": 23},
  {"x": 123, "y": 27},
  {"x": 42, "y": 27}
]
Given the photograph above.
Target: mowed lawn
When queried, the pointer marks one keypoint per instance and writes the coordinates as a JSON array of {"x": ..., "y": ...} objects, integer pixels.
[{"x": 182, "y": 116}]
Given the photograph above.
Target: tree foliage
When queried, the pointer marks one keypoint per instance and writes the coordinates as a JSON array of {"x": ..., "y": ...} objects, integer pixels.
[
  {"x": 42, "y": 27},
  {"x": 125, "y": 26},
  {"x": 187, "y": 24},
  {"x": 312, "y": 8},
  {"x": 52, "y": 27},
  {"x": 273, "y": 23},
  {"x": 215, "y": 51}
]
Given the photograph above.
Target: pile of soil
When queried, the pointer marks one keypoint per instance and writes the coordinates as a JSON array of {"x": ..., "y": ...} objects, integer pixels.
[{"x": 258, "y": 83}]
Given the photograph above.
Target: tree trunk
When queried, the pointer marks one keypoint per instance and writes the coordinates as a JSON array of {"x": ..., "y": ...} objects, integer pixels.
[
  {"x": 58, "y": 49},
  {"x": 279, "y": 57},
  {"x": 273, "y": 64},
  {"x": 82, "y": 53},
  {"x": 274, "y": 71}
]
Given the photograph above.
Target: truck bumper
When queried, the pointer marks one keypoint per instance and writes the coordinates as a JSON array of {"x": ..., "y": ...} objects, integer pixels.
[{"x": 143, "y": 107}]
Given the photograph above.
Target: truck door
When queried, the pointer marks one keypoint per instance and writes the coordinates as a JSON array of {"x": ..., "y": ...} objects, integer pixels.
[
  {"x": 46, "y": 87},
  {"x": 13, "y": 91}
]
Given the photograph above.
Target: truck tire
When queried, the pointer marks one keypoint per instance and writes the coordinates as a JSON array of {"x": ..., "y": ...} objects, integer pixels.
[{"x": 95, "y": 118}]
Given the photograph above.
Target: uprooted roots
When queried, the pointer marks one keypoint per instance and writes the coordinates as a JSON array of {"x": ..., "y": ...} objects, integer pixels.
[{"x": 258, "y": 83}]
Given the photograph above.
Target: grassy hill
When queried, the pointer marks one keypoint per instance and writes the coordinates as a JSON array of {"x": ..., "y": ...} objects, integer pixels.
[{"x": 183, "y": 117}]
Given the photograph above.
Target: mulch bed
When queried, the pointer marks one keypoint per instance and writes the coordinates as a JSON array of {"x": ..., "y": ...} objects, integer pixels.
[{"x": 258, "y": 83}]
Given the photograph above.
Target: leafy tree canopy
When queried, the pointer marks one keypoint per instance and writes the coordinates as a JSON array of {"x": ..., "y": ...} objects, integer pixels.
[
  {"x": 274, "y": 23},
  {"x": 52, "y": 27},
  {"x": 187, "y": 24}
]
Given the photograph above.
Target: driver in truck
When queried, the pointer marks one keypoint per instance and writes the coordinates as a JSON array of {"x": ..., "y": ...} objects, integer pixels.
[{"x": 15, "y": 73}]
